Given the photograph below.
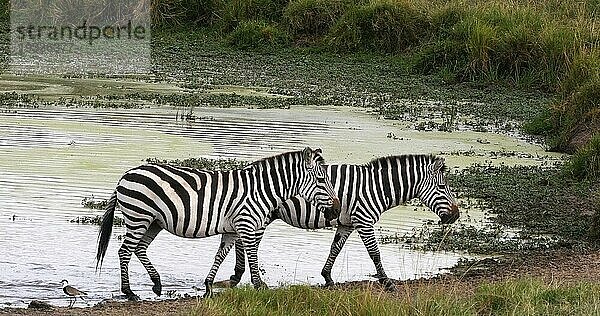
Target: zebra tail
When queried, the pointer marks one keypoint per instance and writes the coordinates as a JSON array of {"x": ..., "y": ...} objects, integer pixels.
[{"x": 106, "y": 230}]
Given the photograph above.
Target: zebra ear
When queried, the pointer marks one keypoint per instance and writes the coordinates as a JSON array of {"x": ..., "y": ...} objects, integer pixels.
[{"x": 307, "y": 156}]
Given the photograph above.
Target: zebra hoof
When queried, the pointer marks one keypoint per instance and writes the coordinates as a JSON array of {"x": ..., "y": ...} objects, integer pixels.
[
  {"x": 209, "y": 292},
  {"x": 133, "y": 298},
  {"x": 157, "y": 289},
  {"x": 234, "y": 280},
  {"x": 388, "y": 284},
  {"x": 260, "y": 285},
  {"x": 329, "y": 284}
]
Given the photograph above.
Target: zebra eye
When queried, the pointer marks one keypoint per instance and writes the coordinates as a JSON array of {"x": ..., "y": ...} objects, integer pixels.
[{"x": 442, "y": 186}]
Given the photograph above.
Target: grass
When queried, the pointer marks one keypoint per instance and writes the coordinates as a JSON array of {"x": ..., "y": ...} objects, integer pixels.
[
  {"x": 257, "y": 34},
  {"x": 381, "y": 26},
  {"x": 585, "y": 164},
  {"x": 516, "y": 297}
]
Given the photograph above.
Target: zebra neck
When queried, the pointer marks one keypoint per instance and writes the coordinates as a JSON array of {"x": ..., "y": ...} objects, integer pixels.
[
  {"x": 399, "y": 180},
  {"x": 270, "y": 186}
]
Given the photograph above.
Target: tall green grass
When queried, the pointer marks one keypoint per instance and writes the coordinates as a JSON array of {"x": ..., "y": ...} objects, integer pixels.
[
  {"x": 257, "y": 35},
  {"x": 516, "y": 297},
  {"x": 381, "y": 26},
  {"x": 586, "y": 161},
  {"x": 169, "y": 13},
  {"x": 308, "y": 20},
  {"x": 236, "y": 12}
]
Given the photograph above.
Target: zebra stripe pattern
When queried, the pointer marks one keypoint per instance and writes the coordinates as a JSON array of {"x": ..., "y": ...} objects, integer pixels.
[
  {"x": 365, "y": 192},
  {"x": 199, "y": 203}
]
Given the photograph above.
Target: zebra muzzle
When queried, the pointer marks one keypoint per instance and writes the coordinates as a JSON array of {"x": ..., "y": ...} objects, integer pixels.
[
  {"x": 333, "y": 212},
  {"x": 452, "y": 216},
  {"x": 454, "y": 210},
  {"x": 337, "y": 206}
]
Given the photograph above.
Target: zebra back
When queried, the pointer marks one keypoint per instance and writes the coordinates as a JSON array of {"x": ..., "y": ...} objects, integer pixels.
[
  {"x": 372, "y": 189},
  {"x": 196, "y": 203}
]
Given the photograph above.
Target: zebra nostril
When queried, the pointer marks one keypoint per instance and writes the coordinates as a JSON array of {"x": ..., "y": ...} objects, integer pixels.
[{"x": 336, "y": 204}]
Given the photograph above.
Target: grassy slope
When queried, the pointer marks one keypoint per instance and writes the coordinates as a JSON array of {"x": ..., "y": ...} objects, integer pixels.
[{"x": 517, "y": 297}]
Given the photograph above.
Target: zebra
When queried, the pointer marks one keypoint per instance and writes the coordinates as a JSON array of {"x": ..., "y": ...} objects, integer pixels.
[
  {"x": 196, "y": 203},
  {"x": 365, "y": 192}
]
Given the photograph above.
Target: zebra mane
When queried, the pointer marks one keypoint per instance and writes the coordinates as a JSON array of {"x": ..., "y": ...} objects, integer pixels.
[
  {"x": 378, "y": 161},
  {"x": 262, "y": 160}
]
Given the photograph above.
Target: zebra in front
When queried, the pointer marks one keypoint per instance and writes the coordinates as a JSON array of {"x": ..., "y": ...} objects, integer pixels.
[
  {"x": 196, "y": 203},
  {"x": 365, "y": 192}
]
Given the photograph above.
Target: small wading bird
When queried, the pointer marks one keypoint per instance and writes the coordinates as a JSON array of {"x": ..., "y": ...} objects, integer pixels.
[{"x": 72, "y": 292}]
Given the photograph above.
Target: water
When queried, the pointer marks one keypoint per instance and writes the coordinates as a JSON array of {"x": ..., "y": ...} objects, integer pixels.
[{"x": 51, "y": 158}]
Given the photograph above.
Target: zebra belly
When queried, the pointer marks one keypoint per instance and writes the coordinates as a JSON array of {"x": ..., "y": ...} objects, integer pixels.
[{"x": 299, "y": 213}]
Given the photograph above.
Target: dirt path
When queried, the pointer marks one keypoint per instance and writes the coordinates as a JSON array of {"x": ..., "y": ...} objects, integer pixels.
[{"x": 556, "y": 267}]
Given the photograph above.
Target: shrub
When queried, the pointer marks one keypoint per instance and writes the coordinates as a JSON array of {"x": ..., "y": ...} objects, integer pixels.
[
  {"x": 238, "y": 11},
  {"x": 313, "y": 18},
  {"x": 256, "y": 35},
  {"x": 585, "y": 164},
  {"x": 382, "y": 26},
  {"x": 185, "y": 12}
]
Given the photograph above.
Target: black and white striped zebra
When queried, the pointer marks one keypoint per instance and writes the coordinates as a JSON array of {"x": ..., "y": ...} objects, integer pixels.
[
  {"x": 196, "y": 203},
  {"x": 365, "y": 192}
]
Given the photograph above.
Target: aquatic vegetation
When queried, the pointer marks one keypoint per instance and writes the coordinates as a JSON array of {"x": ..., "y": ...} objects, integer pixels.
[
  {"x": 547, "y": 45},
  {"x": 487, "y": 239},
  {"x": 96, "y": 220},
  {"x": 536, "y": 200},
  {"x": 94, "y": 203},
  {"x": 203, "y": 163},
  {"x": 528, "y": 208}
]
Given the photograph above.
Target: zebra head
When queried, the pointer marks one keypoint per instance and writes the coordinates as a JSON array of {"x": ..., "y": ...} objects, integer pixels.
[
  {"x": 316, "y": 186},
  {"x": 435, "y": 193}
]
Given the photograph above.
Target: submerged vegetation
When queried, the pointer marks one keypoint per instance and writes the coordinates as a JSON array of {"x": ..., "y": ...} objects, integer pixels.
[{"x": 203, "y": 163}]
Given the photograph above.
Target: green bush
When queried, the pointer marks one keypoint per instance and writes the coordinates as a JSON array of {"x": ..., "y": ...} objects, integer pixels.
[
  {"x": 585, "y": 163},
  {"x": 523, "y": 45},
  {"x": 257, "y": 35},
  {"x": 313, "y": 18},
  {"x": 239, "y": 11},
  {"x": 185, "y": 12},
  {"x": 542, "y": 125},
  {"x": 381, "y": 26}
]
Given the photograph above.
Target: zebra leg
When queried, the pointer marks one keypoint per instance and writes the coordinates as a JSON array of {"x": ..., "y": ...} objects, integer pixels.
[
  {"x": 341, "y": 235},
  {"x": 250, "y": 241},
  {"x": 240, "y": 263},
  {"x": 130, "y": 243},
  {"x": 140, "y": 252},
  {"x": 227, "y": 241},
  {"x": 367, "y": 234}
]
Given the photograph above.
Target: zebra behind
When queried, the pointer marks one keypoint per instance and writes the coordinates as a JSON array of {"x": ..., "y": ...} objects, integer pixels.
[
  {"x": 196, "y": 203},
  {"x": 365, "y": 192}
]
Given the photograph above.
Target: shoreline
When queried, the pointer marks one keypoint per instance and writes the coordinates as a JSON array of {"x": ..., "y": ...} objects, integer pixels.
[{"x": 557, "y": 267}]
